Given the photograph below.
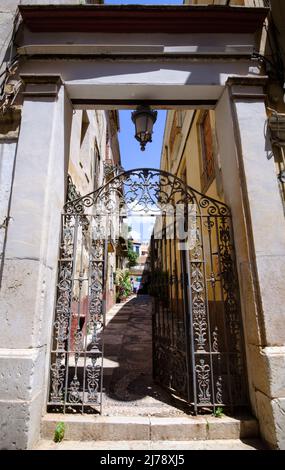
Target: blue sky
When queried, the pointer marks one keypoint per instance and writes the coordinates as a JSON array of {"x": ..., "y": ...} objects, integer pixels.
[
  {"x": 133, "y": 157},
  {"x": 143, "y": 2},
  {"x": 131, "y": 154}
]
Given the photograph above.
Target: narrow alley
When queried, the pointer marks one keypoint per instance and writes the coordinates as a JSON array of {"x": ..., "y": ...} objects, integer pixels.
[{"x": 128, "y": 385}]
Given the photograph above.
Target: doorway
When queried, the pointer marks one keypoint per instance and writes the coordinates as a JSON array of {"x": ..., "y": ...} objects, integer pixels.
[{"x": 197, "y": 347}]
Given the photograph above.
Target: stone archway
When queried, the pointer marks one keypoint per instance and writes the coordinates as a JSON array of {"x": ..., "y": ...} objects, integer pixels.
[{"x": 226, "y": 77}]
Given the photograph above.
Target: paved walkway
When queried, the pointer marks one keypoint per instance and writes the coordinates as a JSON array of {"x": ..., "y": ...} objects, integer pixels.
[{"x": 128, "y": 385}]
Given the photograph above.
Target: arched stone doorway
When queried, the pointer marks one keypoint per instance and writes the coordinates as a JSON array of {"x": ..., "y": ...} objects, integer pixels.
[
  {"x": 234, "y": 84},
  {"x": 197, "y": 332}
]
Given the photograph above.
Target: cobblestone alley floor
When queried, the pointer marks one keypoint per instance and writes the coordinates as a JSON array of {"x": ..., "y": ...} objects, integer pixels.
[{"x": 128, "y": 385}]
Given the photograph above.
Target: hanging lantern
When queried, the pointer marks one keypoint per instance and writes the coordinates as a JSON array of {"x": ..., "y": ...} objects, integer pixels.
[{"x": 144, "y": 119}]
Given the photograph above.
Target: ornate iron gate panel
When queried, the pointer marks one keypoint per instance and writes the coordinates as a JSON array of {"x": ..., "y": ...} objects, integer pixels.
[
  {"x": 197, "y": 333},
  {"x": 77, "y": 344}
]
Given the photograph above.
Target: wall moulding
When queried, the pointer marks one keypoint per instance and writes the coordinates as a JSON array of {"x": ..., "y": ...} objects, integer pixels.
[
  {"x": 40, "y": 85},
  {"x": 141, "y": 18}
]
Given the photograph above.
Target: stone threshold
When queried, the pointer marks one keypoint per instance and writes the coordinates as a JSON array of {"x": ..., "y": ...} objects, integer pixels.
[{"x": 138, "y": 428}]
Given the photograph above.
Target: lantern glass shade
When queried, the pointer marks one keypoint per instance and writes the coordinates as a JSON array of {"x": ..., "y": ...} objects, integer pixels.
[{"x": 144, "y": 119}]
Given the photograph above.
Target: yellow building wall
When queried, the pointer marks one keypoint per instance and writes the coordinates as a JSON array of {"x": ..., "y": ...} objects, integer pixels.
[
  {"x": 189, "y": 168},
  {"x": 191, "y": 159}
]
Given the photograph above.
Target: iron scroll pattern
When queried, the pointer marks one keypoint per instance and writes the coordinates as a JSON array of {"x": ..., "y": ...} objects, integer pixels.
[
  {"x": 76, "y": 353},
  {"x": 217, "y": 346},
  {"x": 198, "y": 351}
]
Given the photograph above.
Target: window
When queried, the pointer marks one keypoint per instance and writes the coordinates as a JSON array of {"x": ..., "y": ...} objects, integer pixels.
[{"x": 206, "y": 150}]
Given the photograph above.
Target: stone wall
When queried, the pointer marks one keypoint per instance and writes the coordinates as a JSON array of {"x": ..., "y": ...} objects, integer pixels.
[
  {"x": 9, "y": 130},
  {"x": 251, "y": 190}
]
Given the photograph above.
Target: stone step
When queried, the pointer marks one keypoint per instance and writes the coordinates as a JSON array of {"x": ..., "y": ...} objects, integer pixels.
[
  {"x": 226, "y": 444},
  {"x": 138, "y": 428}
]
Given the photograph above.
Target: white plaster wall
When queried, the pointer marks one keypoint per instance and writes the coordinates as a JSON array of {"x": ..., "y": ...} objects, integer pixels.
[
  {"x": 29, "y": 276},
  {"x": 7, "y": 159}
]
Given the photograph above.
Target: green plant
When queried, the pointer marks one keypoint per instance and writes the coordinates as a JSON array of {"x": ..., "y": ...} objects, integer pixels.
[
  {"x": 219, "y": 412},
  {"x": 123, "y": 283},
  {"x": 132, "y": 255},
  {"x": 59, "y": 432}
]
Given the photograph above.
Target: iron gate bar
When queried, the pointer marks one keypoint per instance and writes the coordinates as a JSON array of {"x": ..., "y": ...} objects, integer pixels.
[
  {"x": 207, "y": 309},
  {"x": 197, "y": 332},
  {"x": 187, "y": 303},
  {"x": 224, "y": 320},
  {"x": 70, "y": 318},
  {"x": 191, "y": 350}
]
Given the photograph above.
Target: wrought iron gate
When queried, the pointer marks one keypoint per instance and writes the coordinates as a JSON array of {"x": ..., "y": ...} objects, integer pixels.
[{"x": 197, "y": 333}]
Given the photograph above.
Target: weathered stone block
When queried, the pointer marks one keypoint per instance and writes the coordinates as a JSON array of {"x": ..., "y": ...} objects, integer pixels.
[
  {"x": 272, "y": 420},
  {"x": 275, "y": 364},
  {"x": 18, "y": 326},
  {"x": 231, "y": 428},
  {"x": 21, "y": 373},
  {"x": 20, "y": 423},
  {"x": 266, "y": 419},
  {"x": 278, "y": 406},
  {"x": 27, "y": 318},
  {"x": 179, "y": 429},
  {"x": 14, "y": 425},
  {"x": 271, "y": 273},
  {"x": 222, "y": 428},
  {"x": 100, "y": 428},
  {"x": 268, "y": 370}
]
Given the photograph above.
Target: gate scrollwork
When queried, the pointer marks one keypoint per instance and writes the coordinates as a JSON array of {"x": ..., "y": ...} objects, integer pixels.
[{"x": 197, "y": 331}]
